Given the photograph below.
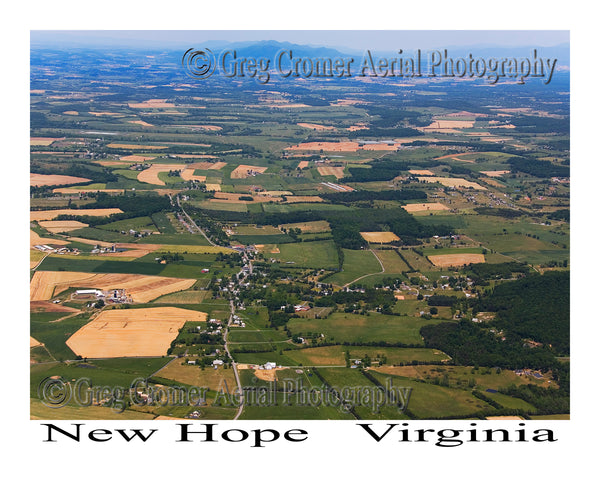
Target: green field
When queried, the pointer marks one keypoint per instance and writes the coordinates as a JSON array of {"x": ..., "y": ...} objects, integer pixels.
[
  {"x": 335, "y": 355},
  {"x": 376, "y": 327},
  {"x": 321, "y": 254},
  {"x": 357, "y": 263}
]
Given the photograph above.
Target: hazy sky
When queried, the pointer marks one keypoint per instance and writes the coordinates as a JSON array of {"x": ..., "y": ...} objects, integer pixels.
[{"x": 349, "y": 39}]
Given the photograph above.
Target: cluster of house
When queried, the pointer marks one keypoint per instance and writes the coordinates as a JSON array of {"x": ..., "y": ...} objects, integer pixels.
[
  {"x": 237, "y": 321},
  {"x": 528, "y": 371}
]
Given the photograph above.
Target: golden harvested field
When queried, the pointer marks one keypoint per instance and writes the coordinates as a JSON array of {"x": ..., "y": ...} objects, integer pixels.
[
  {"x": 73, "y": 191},
  {"x": 421, "y": 172},
  {"x": 217, "y": 165},
  {"x": 424, "y": 207},
  {"x": 203, "y": 165},
  {"x": 379, "y": 237},
  {"x": 35, "y": 239},
  {"x": 495, "y": 173},
  {"x": 33, "y": 342},
  {"x": 267, "y": 375},
  {"x": 154, "y": 103},
  {"x": 128, "y": 146},
  {"x": 303, "y": 164},
  {"x": 58, "y": 226},
  {"x": 327, "y": 146},
  {"x": 213, "y": 187},
  {"x": 456, "y": 259},
  {"x": 89, "y": 242},
  {"x": 452, "y": 182},
  {"x": 141, "y": 122},
  {"x": 43, "y": 141},
  {"x": 43, "y": 284},
  {"x": 44, "y": 306},
  {"x": 354, "y": 128},
  {"x": 317, "y": 226},
  {"x": 136, "y": 158},
  {"x": 40, "y": 215},
  {"x": 138, "y": 332},
  {"x": 491, "y": 182},
  {"x": 447, "y": 124},
  {"x": 141, "y": 288},
  {"x": 39, "y": 180},
  {"x": 109, "y": 163},
  {"x": 315, "y": 126},
  {"x": 245, "y": 171},
  {"x": 71, "y": 112},
  {"x": 150, "y": 175},
  {"x": 303, "y": 199},
  {"x": 338, "y": 172},
  {"x": 188, "y": 174}
]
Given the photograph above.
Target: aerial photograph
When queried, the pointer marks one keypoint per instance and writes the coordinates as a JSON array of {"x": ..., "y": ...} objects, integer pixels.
[{"x": 299, "y": 225}]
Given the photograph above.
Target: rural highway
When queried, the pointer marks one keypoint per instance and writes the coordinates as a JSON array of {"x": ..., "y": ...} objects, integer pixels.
[
  {"x": 194, "y": 223},
  {"x": 233, "y": 364}
]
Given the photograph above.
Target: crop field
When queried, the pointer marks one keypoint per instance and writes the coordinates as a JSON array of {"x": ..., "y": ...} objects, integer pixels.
[
  {"x": 424, "y": 207},
  {"x": 456, "y": 259},
  {"x": 140, "y": 332},
  {"x": 452, "y": 182},
  {"x": 245, "y": 171},
  {"x": 58, "y": 226},
  {"x": 150, "y": 175},
  {"x": 141, "y": 288},
  {"x": 39, "y": 180},
  {"x": 337, "y": 172},
  {"x": 40, "y": 215},
  {"x": 357, "y": 264},
  {"x": 376, "y": 327},
  {"x": 308, "y": 254},
  {"x": 335, "y": 355},
  {"x": 186, "y": 297},
  {"x": 379, "y": 237},
  {"x": 318, "y": 226},
  {"x": 430, "y": 401}
]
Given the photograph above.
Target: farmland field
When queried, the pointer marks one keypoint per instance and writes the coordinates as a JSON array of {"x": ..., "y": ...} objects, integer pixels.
[
  {"x": 142, "y": 332},
  {"x": 347, "y": 327}
]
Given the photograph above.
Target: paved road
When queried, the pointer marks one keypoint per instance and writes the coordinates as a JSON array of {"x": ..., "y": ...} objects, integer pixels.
[
  {"x": 233, "y": 364},
  {"x": 194, "y": 223}
]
